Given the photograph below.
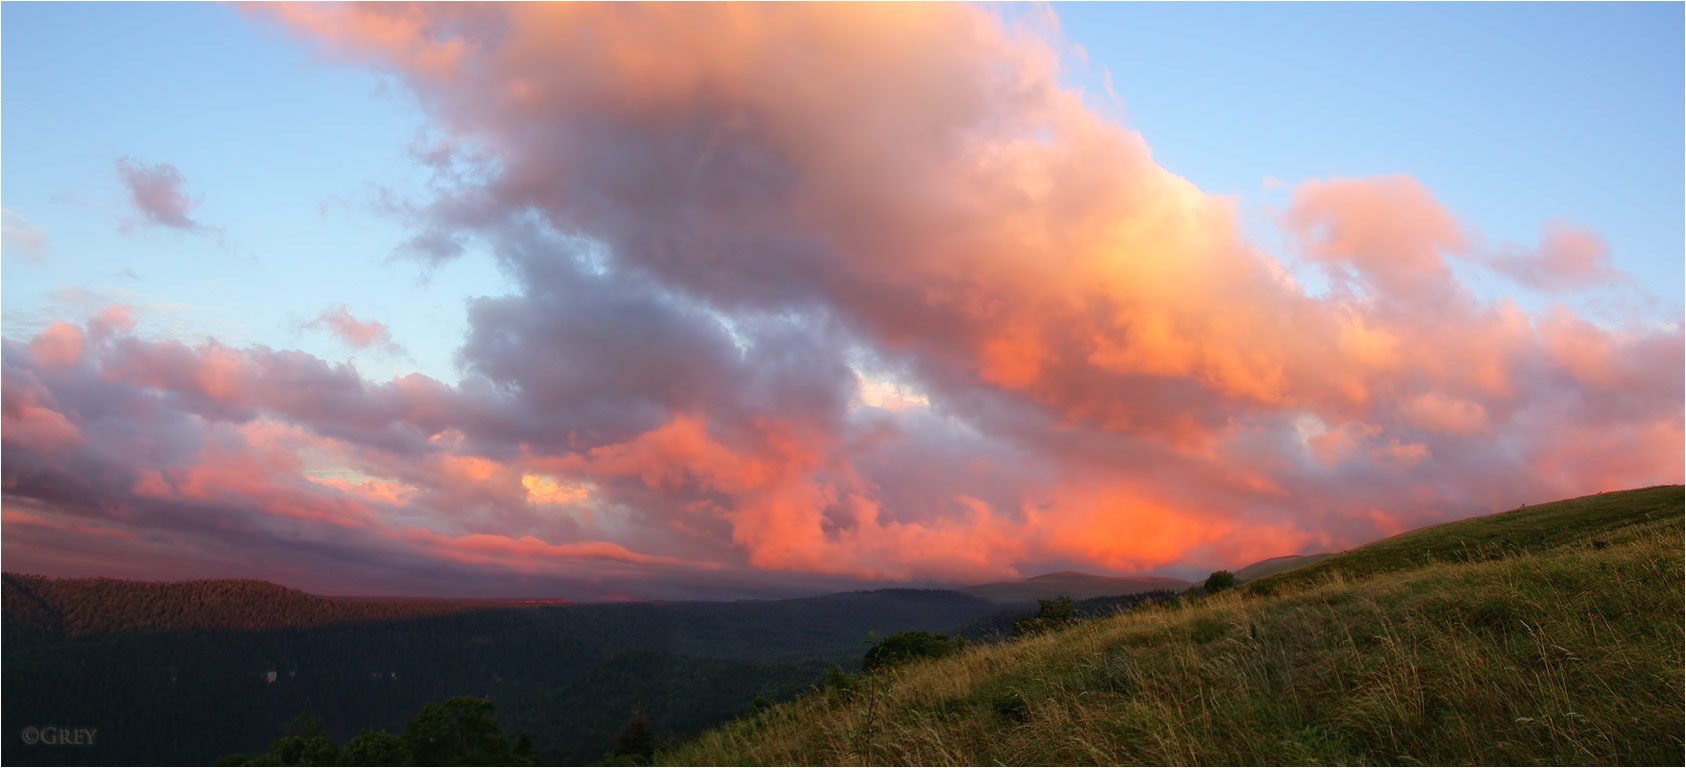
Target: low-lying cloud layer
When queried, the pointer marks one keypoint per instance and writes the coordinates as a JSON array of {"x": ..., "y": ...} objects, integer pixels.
[{"x": 734, "y": 230}]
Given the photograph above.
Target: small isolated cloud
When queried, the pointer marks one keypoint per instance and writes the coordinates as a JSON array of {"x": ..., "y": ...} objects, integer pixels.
[
  {"x": 1567, "y": 259},
  {"x": 355, "y": 333},
  {"x": 22, "y": 239},
  {"x": 156, "y": 190}
]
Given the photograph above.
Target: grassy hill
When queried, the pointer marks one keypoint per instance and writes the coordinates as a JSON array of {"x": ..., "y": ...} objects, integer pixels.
[
  {"x": 1277, "y": 565},
  {"x": 1526, "y": 530},
  {"x": 1551, "y": 634}
]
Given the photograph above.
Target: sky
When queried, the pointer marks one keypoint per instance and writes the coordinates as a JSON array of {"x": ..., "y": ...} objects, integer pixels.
[{"x": 750, "y": 301}]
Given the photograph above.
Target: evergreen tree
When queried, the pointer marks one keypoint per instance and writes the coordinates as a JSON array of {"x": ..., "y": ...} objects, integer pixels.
[{"x": 636, "y": 743}]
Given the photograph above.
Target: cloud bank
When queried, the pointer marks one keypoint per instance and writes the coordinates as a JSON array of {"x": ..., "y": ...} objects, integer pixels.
[{"x": 733, "y": 229}]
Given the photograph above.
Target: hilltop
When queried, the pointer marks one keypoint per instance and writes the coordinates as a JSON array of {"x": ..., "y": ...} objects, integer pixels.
[
  {"x": 1277, "y": 565},
  {"x": 1550, "y": 634},
  {"x": 40, "y": 609}
]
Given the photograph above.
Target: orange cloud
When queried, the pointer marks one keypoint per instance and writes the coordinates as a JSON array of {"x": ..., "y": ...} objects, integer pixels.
[
  {"x": 1390, "y": 231},
  {"x": 1438, "y": 412},
  {"x": 760, "y": 202}
]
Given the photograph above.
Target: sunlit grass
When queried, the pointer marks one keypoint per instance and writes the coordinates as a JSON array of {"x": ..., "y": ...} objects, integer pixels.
[{"x": 1564, "y": 648}]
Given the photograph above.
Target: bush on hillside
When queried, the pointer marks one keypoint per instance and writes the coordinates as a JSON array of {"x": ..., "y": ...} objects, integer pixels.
[
  {"x": 1219, "y": 581},
  {"x": 1050, "y": 615},
  {"x": 459, "y": 731},
  {"x": 904, "y": 647}
]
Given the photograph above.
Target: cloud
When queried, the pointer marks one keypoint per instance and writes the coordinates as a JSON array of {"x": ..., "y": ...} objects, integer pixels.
[
  {"x": 1568, "y": 259},
  {"x": 23, "y": 240},
  {"x": 157, "y": 194},
  {"x": 713, "y": 260},
  {"x": 1388, "y": 233},
  {"x": 360, "y": 334}
]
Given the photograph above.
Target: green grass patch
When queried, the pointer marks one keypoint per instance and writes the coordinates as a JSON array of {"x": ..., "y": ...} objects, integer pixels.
[
  {"x": 1555, "y": 651},
  {"x": 1589, "y": 521}
]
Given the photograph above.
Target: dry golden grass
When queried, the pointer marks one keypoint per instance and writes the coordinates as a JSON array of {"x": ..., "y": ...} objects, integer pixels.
[{"x": 1567, "y": 655}]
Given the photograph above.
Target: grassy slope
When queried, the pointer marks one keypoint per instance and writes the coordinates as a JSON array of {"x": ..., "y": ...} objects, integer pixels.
[
  {"x": 1277, "y": 565},
  {"x": 1562, "y": 646},
  {"x": 1520, "y": 531}
]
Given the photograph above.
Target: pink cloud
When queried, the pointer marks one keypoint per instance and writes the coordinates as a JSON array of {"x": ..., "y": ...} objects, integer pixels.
[
  {"x": 37, "y": 426},
  {"x": 156, "y": 191},
  {"x": 1116, "y": 378},
  {"x": 1437, "y": 412},
  {"x": 353, "y": 332},
  {"x": 58, "y": 346},
  {"x": 1568, "y": 259},
  {"x": 1389, "y": 231},
  {"x": 111, "y": 321}
]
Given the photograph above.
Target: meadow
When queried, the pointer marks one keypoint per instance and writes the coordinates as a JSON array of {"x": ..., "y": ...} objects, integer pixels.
[{"x": 1546, "y": 635}]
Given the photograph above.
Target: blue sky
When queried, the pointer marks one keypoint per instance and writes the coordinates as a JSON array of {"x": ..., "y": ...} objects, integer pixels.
[
  {"x": 285, "y": 151},
  {"x": 1511, "y": 114}
]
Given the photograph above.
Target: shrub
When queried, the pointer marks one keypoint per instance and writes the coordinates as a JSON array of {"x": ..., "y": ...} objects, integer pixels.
[
  {"x": 1050, "y": 615},
  {"x": 837, "y": 685},
  {"x": 1219, "y": 581},
  {"x": 376, "y": 748},
  {"x": 905, "y": 647}
]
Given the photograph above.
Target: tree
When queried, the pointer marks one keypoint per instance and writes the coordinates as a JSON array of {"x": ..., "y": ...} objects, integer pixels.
[
  {"x": 1219, "y": 581},
  {"x": 376, "y": 748},
  {"x": 637, "y": 743},
  {"x": 305, "y": 750},
  {"x": 305, "y": 743},
  {"x": 524, "y": 751},
  {"x": 459, "y": 731},
  {"x": 1050, "y": 615},
  {"x": 905, "y": 647}
]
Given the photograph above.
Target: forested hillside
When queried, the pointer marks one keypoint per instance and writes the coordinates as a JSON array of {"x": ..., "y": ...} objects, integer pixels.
[
  {"x": 40, "y": 609},
  {"x": 185, "y": 673}
]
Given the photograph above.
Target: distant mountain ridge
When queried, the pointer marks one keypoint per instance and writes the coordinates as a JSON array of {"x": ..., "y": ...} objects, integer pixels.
[
  {"x": 1072, "y": 584},
  {"x": 39, "y": 608}
]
